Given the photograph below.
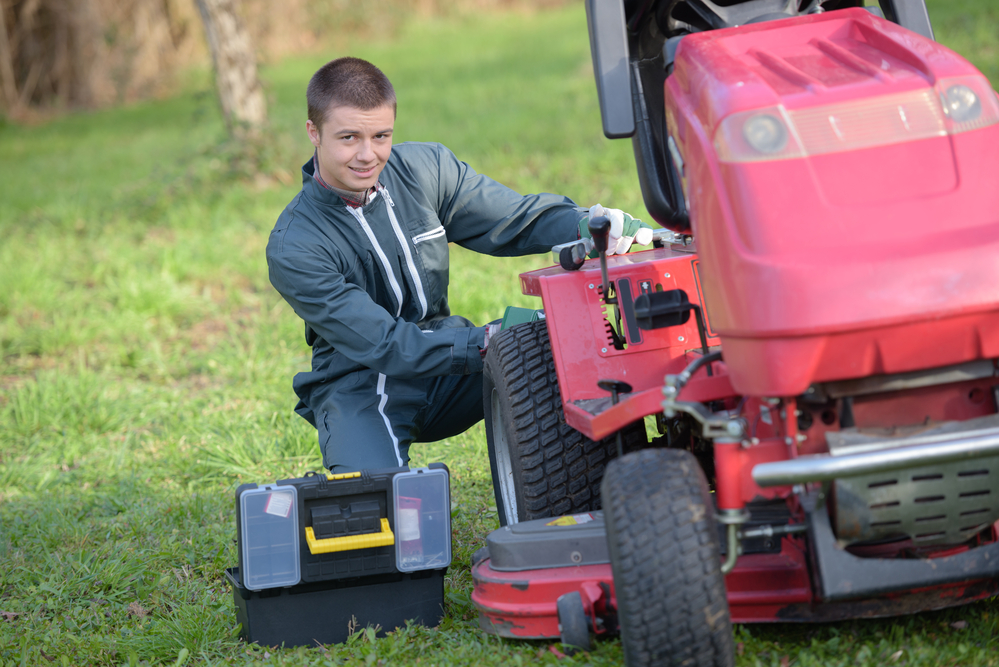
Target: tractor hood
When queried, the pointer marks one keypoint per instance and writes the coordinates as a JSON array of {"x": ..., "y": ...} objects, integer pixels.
[
  {"x": 813, "y": 67},
  {"x": 840, "y": 174}
]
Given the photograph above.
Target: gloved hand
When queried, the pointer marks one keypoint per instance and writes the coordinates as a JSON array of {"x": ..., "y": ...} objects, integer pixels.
[
  {"x": 492, "y": 329},
  {"x": 624, "y": 230}
]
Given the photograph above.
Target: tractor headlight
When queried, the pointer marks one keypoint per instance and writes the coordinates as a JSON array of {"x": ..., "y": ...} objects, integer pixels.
[
  {"x": 765, "y": 133},
  {"x": 757, "y": 135},
  {"x": 951, "y": 107},
  {"x": 961, "y": 104},
  {"x": 968, "y": 103}
]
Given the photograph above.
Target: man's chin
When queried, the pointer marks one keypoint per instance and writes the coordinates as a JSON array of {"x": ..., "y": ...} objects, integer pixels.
[{"x": 358, "y": 183}]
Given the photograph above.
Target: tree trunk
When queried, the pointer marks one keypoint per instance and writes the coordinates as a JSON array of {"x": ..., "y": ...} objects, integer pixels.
[
  {"x": 240, "y": 94},
  {"x": 6, "y": 65}
]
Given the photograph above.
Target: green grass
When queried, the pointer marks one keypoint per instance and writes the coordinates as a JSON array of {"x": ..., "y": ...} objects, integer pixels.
[{"x": 145, "y": 362}]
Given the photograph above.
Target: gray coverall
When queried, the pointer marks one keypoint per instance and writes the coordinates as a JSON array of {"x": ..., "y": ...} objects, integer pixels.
[{"x": 390, "y": 364}]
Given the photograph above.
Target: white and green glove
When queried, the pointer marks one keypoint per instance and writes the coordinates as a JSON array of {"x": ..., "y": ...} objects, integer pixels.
[{"x": 624, "y": 229}]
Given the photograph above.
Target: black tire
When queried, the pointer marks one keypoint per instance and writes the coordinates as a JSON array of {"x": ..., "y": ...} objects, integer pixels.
[
  {"x": 541, "y": 466},
  {"x": 572, "y": 625},
  {"x": 663, "y": 544}
]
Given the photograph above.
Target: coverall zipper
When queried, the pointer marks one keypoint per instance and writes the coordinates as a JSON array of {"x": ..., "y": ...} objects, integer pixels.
[
  {"x": 380, "y": 388},
  {"x": 393, "y": 283},
  {"x": 390, "y": 206}
]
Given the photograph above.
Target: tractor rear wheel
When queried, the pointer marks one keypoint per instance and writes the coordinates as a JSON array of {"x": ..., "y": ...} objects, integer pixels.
[
  {"x": 663, "y": 544},
  {"x": 541, "y": 466}
]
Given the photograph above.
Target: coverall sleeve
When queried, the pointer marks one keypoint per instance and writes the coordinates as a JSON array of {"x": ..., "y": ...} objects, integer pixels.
[
  {"x": 486, "y": 216},
  {"x": 346, "y": 317}
]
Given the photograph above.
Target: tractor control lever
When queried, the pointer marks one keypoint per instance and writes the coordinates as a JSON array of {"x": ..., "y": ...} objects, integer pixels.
[
  {"x": 600, "y": 232},
  {"x": 599, "y": 227}
]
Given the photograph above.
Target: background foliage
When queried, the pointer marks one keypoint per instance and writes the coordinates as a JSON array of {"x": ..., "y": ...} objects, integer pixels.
[
  {"x": 59, "y": 54},
  {"x": 145, "y": 362}
]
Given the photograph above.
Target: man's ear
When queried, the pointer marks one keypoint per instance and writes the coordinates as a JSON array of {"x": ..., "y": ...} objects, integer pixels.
[{"x": 313, "y": 131}]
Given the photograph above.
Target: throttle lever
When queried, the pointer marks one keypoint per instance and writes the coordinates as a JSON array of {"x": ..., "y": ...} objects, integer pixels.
[{"x": 599, "y": 227}]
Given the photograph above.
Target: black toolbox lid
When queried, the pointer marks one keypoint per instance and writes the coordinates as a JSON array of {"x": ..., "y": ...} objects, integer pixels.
[{"x": 576, "y": 539}]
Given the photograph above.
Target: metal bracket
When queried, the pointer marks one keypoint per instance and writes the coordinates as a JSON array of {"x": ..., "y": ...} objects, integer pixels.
[
  {"x": 842, "y": 576},
  {"x": 714, "y": 425}
]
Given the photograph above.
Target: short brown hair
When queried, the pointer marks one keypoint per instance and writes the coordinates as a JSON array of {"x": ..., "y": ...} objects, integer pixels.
[{"x": 347, "y": 82}]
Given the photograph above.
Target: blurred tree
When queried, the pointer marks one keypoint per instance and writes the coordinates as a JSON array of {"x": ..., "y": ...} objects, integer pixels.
[
  {"x": 66, "y": 54},
  {"x": 6, "y": 66},
  {"x": 240, "y": 93}
]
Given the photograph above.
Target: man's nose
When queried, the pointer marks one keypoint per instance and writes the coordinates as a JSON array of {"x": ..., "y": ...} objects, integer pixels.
[{"x": 366, "y": 151}]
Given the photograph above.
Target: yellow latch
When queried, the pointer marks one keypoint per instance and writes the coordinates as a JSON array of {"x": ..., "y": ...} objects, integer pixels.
[
  {"x": 346, "y": 475},
  {"x": 349, "y": 542}
]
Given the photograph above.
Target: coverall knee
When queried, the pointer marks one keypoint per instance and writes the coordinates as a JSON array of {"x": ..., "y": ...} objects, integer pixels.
[{"x": 370, "y": 420}]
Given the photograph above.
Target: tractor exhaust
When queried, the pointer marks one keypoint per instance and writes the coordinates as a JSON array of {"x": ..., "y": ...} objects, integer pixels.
[{"x": 880, "y": 457}]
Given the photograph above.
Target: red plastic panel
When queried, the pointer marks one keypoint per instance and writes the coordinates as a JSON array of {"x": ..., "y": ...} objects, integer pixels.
[
  {"x": 583, "y": 352},
  {"x": 786, "y": 365},
  {"x": 845, "y": 264}
]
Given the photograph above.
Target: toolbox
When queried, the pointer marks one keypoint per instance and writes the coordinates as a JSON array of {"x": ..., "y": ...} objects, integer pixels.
[{"x": 323, "y": 555}]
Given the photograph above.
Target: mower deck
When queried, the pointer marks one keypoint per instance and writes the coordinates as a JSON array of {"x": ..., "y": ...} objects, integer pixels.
[{"x": 763, "y": 588}]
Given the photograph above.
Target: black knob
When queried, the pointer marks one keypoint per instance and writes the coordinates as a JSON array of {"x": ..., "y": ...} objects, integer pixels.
[
  {"x": 615, "y": 387},
  {"x": 599, "y": 231},
  {"x": 570, "y": 259}
]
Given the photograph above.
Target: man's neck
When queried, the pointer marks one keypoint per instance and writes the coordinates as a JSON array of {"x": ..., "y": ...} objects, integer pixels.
[{"x": 352, "y": 198}]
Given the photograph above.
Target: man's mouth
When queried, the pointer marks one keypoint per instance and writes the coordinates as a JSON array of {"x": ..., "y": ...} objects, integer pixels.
[{"x": 363, "y": 172}]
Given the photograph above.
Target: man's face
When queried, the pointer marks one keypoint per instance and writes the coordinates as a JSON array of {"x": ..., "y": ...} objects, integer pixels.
[{"x": 354, "y": 145}]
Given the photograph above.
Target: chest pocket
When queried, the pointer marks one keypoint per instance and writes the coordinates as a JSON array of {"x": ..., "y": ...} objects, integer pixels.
[
  {"x": 431, "y": 244},
  {"x": 426, "y": 236}
]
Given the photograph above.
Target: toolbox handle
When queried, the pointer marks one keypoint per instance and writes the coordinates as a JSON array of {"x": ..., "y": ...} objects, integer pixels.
[
  {"x": 349, "y": 542},
  {"x": 346, "y": 475}
]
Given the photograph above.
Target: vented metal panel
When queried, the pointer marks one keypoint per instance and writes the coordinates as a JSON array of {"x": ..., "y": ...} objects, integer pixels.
[{"x": 945, "y": 504}]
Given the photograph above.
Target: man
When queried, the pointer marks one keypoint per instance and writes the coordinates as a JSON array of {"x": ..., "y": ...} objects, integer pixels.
[{"x": 361, "y": 255}]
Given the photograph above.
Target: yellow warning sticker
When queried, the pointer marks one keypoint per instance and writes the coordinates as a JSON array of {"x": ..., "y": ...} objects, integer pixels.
[{"x": 571, "y": 520}]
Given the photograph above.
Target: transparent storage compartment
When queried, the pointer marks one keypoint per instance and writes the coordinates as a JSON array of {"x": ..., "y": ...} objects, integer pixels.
[
  {"x": 422, "y": 520},
  {"x": 269, "y": 530}
]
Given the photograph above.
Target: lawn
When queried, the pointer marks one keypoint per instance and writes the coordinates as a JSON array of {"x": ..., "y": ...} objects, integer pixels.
[{"x": 146, "y": 364}]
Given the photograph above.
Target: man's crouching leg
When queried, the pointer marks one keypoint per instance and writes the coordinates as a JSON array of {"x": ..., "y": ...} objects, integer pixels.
[
  {"x": 454, "y": 405},
  {"x": 368, "y": 421}
]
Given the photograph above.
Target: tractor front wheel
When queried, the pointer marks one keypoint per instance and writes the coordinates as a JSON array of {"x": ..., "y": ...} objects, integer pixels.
[
  {"x": 541, "y": 466},
  {"x": 663, "y": 544}
]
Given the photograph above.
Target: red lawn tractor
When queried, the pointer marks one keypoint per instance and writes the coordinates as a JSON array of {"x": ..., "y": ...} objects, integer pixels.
[{"x": 823, "y": 303}]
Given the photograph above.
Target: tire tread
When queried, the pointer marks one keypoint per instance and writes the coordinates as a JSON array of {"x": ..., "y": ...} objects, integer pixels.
[
  {"x": 662, "y": 538},
  {"x": 559, "y": 469}
]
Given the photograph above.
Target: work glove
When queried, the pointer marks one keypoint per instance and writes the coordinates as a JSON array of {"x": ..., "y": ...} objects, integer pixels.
[
  {"x": 624, "y": 229},
  {"x": 492, "y": 329}
]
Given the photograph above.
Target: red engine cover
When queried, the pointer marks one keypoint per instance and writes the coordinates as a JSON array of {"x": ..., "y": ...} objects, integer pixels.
[{"x": 851, "y": 262}]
